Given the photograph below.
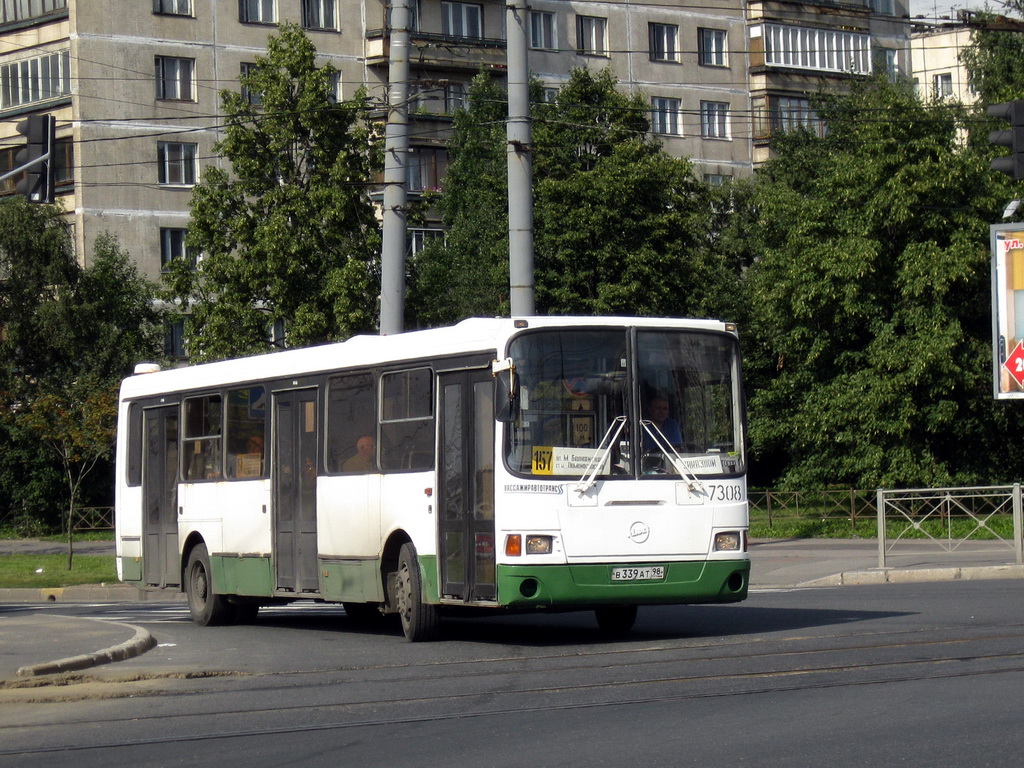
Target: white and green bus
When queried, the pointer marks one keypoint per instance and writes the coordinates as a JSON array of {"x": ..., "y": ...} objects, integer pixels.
[{"x": 540, "y": 463}]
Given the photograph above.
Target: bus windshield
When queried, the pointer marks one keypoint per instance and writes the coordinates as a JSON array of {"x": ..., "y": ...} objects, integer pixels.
[{"x": 651, "y": 403}]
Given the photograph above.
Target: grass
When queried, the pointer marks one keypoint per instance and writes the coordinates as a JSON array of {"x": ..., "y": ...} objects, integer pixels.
[{"x": 49, "y": 571}]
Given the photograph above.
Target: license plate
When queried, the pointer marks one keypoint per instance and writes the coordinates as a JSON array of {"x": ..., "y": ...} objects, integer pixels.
[{"x": 647, "y": 573}]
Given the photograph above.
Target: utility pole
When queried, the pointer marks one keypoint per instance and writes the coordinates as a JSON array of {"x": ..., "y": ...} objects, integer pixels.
[
  {"x": 520, "y": 162},
  {"x": 396, "y": 157}
]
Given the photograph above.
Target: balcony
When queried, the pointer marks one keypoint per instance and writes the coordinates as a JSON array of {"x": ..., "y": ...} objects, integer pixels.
[{"x": 437, "y": 50}]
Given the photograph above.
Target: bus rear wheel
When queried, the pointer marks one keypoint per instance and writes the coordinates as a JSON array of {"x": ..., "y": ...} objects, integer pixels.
[
  {"x": 615, "y": 619},
  {"x": 420, "y": 621},
  {"x": 208, "y": 609}
]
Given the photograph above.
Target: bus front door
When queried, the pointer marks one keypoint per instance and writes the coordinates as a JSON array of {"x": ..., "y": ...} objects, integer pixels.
[
  {"x": 160, "y": 495},
  {"x": 294, "y": 472},
  {"x": 466, "y": 487}
]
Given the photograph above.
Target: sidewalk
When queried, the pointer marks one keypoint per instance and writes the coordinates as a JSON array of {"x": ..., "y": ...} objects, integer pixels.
[{"x": 33, "y": 642}]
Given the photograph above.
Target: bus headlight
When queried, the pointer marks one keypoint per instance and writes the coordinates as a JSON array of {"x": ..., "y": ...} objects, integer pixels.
[
  {"x": 517, "y": 544},
  {"x": 538, "y": 545},
  {"x": 727, "y": 541}
]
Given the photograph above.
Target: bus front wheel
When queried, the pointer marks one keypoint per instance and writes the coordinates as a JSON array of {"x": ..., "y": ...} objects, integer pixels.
[
  {"x": 208, "y": 609},
  {"x": 419, "y": 620}
]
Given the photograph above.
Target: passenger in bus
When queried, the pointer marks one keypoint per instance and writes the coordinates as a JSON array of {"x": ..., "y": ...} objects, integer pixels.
[
  {"x": 363, "y": 460},
  {"x": 657, "y": 412}
]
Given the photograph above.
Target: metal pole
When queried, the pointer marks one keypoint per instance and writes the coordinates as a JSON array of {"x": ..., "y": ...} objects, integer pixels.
[
  {"x": 880, "y": 510},
  {"x": 1018, "y": 535},
  {"x": 396, "y": 155},
  {"x": 520, "y": 162}
]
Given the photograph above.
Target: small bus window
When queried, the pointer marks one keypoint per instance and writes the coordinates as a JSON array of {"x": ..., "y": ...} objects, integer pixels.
[
  {"x": 246, "y": 432},
  {"x": 407, "y": 420},
  {"x": 201, "y": 444},
  {"x": 134, "y": 449},
  {"x": 352, "y": 423}
]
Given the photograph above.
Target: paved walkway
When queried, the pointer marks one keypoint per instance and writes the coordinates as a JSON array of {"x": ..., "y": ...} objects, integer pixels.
[{"x": 34, "y": 642}]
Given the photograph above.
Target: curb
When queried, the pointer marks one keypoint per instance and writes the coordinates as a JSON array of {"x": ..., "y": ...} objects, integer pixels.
[
  {"x": 907, "y": 576},
  {"x": 141, "y": 642},
  {"x": 90, "y": 593}
]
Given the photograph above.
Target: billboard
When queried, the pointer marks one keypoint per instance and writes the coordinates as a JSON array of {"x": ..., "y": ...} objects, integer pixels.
[{"x": 1008, "y": 310}]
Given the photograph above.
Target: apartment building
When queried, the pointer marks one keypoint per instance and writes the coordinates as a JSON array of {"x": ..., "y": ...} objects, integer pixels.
[
  {"x": 798, "y": 49},
  {"x": 134, "y": 84},
  {"x": 935, "y": 53}
]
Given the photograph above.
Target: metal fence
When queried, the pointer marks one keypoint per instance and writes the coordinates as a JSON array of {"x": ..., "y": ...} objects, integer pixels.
[
  {"x": 93, "y": 519},
  {"x": 849, "y": 504},
  {"x": 949, "y": 517}
]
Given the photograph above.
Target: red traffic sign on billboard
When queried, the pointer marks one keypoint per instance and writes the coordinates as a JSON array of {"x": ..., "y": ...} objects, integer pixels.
[{"x": 1014, "y": 363}]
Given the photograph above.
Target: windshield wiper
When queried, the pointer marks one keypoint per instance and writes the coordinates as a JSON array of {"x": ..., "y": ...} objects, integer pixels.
[
  {"x": 603, "y": 450},
  {"x": 665, "y": 447}
]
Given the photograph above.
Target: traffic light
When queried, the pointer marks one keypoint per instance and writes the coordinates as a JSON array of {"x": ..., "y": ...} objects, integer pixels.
[
  {"x": 1012, "y": 164},
  {"x": 38, "y": 154}
]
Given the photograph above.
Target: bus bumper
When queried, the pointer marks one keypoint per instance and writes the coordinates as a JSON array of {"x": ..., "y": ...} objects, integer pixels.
[{"x": 716, "y": 581}]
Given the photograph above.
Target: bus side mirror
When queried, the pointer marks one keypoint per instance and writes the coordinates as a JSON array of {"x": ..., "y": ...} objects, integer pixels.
[{"x": 506, "y": 385}]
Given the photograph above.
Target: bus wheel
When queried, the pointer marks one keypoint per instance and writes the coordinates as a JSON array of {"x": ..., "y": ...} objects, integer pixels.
[
  {"x": 208, "y": 609},
  {"x": 419, "y": 620},
  {"x": 615, "y": 619}
]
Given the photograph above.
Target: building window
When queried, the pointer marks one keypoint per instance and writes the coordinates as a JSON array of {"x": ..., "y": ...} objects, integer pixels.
[
  {"x": 793, "y": 113},
  {"x": 34, "y": 80},
  {"x": 664, "y": 42},
  {"x": 20, "y": 10},
  {"x": 542, "y": 30},
  {"x": 665, "y": 116},
  {"x": 942, "y": 85},
  {"x": 548, "y": 94},
  {"x": 177, "y": 163},
  {"x": 420, "y": 238},
  {"x": 63, "y": 172},
  {"x": 337, "y": 94},
  {"x": 173, "y": 7},
  {"x": 454, "y": 97},
  {"x": 172, "y": 247},
  {"x": 714, "y": 120},
  {"x": 711, "y": 48},
  {"x": 717, "y": 179},
  {"x": 462, "y": 20},
  {"x": 426, "y": 168},
  {"x": 174, "y": 78},
  {"x": 887, "y": 7},
  {"x": 257, "y": 11},
  {"x": 253, "y": 98},
  {"x": 174, "y": 340},
  {"x": 823, "y": 50},
  {"x": 591, "y": 34},
  {"x": 319, "y": 14}
]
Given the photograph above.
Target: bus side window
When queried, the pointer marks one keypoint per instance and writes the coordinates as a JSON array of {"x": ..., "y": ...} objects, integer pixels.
[
  {"x": 201, "y": 443},
  {"x": 407, "y": 420},
  {"x": 352, "y": 423},
  {"x": 245, "y": 432},
  {"x": 134, "y": 451}
]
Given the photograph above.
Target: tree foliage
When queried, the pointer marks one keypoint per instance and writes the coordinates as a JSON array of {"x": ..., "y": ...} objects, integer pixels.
[
  {"x": 288, "y": 234},
  {"x": 67, "y": 337},
  {"x": 620, "y": 227},
  {"x": 995, "y": 58},
  {"x": 870, "y": 316}
]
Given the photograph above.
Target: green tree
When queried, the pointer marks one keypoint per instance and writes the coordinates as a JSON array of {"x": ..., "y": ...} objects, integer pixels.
[
  {"x": 67, "y": 337},
  {"x": 466, "y": 274},
  {"x": 619, "y": 225},
  {"x": 289, "y": 234},
  {"x": 870, "y": 354},
  {"x": 994, "y": 59}
]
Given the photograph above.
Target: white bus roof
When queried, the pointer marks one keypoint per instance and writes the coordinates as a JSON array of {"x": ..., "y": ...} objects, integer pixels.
[{"x": 472, "y": 335}]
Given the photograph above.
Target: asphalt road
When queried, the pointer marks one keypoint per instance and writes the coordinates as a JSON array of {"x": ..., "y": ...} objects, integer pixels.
[{"x": 915, "y": 674}]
